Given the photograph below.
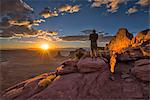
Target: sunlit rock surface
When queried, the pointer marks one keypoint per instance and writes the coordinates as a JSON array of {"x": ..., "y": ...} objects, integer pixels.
[
  {"x": 121, "y": 41},
  {"x": 77, "y": 80},
  {"x": 141, "y": 37},
  {"x": 118, "y": 44}
]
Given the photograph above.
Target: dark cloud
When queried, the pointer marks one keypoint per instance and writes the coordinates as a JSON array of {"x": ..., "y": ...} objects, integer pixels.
[
  {"x": 26, "y": 22},
  {"x": 86, "y": 38},
  {"x": 4, "y": 24},
  {"x": 14, "y": 15},
  {"x": 11, "y": 31},
  {"x": 23, "y": 31},
  {"x": 89, "y": 31},
  {"x": 46, "y": 13},
  {"x": 14, "y": 6}
]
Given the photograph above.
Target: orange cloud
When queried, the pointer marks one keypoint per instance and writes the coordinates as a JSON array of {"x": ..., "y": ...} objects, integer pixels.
[
  {"x": 27, "y": 23},
  {"x": 112, "y": 5},
  {"x": 47, "y": 14},
  {"x": 143, "y": 2},
  {"x": 132, "y": 10},
  {"x": 69, "y": 8}
]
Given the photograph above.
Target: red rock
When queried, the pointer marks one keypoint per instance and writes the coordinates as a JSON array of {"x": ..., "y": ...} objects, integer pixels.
[
  {"x": 74, "y": 86},
  {"x": 124, "y": 76},
  {"x": 67, "y": 67},
  {"x": 142, "y": 62},
  {"x": 24, "y": 89},
  {"x": 143, "y": 35},
  {"x": 94, "y": 85},
  {"x": 142, "y": 70},
  {"x": 132, "y": 90},
  {"x": 90, "y": 65}
]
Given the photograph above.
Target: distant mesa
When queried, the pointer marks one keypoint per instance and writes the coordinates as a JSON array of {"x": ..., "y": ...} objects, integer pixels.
[
  {"x": 80, "y": 50},
  {"x": 72, "y": 54},
  {"x": 59, "y": 55}
]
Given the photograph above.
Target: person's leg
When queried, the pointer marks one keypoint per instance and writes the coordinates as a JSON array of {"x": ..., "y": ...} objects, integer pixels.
[{"x": 91, "y": 53}]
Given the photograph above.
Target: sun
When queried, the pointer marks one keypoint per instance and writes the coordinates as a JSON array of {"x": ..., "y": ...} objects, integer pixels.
[{"x": 44, "y": 46}]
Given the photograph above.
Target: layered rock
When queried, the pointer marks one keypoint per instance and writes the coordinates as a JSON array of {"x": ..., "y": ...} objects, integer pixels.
[
  {"x": 142, "y": 69},
  {"x": 86, "y": 79}
]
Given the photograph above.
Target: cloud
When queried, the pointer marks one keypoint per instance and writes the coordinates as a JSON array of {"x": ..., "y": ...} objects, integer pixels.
[
  {"x": 85, "y": 38},
  {"x": 98, "y": 3},
  {"x": 27, "y": 23},
  {"x": 40, "y": 36},
  {"x": 64, "y": 8},
  {"x": 25, "y": 33},
  {"x": 90, "y": 31},
  {"x": 75, "y": 8},
  {"x": 13, "y": 30},
  {"x": 47, "y": 13},
  {"x": 14, "y": 6},
  {"x": 69, "y": 8},
  {"x": 132, "y": 10},
  {"x": 46, "y": 33},
  {"x": 4, "y": 24},
  {"x": 143, "y": 2},
  {"x": 112, "y": 5},
  {"x": 37, "y": 22},
  {"x": 19, "y": 22}
]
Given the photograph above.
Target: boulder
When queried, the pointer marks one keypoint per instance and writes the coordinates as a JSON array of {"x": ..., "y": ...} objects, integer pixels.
[
  {"x": 67, "y": 67},
  {"x": 141, "y": 70},
  {"x": 90, "y": 65}
]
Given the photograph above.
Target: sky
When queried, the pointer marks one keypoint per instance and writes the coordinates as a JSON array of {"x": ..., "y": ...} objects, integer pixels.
[{"x": 33, "y": 22}]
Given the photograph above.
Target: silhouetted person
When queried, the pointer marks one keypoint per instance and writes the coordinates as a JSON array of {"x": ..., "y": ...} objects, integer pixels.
[{"x": 93, "y": 37}]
